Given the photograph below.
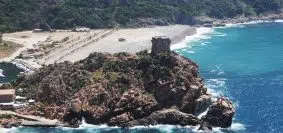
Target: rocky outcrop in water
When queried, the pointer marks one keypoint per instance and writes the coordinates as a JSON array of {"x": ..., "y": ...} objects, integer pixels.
[
  {"x": 121, "y": 90},
  {"x": 220, "y": 114}
]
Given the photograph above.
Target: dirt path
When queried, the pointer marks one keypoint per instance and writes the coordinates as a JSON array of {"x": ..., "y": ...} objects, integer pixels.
[{"x": 29, "y": 120}]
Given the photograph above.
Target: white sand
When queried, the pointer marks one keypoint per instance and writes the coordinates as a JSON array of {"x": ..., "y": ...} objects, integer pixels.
[
  {"x": 136, "y": 40},
  {"x": 200, "y": 34},
  {"x": 28, "y": 39}
]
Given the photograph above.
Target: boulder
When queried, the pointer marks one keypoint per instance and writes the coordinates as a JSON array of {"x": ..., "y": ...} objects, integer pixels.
[
  {"x": 126, "y": 117},
  {"x": 204, "y": 126},
  {"x": 220, "y": 114},
  {"x": 202, "y": 103},
  {"x": 75, "y": 106},
  {"x": 189, "y": 100}
]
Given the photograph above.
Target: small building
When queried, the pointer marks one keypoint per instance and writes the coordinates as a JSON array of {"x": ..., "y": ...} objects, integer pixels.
[
  {"x": 82, "y": 29},
  {"x": 6, "y": 106},
  {"x": 20, "y": 99},
  {"x": 36, "y": 30},
  {"x": 7, "y": 96}
]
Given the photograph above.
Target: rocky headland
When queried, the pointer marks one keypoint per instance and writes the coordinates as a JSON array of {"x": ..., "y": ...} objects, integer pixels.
[{"x": 125, "y": 90}]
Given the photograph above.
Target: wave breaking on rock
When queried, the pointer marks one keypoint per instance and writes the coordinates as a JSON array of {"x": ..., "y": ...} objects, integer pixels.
[{"x": 1, "y": 73}]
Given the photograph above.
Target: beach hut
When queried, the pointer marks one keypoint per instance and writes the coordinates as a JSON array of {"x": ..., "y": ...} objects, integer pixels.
[
  {"x": 82, "y": 29},
  {"x": 36, "y": 30},
  {"x": 7, "y": 96}
]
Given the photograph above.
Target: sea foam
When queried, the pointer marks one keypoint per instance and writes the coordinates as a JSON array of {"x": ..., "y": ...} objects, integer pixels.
[
  {"x": 9, "y": 130},
  {"x": 279, "y": 21},
  {"x": 242, "y": 25},
  {"x": 200, "y": 34},
  {"x": 1, "y": 73}
]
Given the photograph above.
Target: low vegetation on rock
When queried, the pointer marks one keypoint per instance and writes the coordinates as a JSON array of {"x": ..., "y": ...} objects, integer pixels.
[
  {"x": 120, "y": 90},
  {"x": 7, "y": 48}
]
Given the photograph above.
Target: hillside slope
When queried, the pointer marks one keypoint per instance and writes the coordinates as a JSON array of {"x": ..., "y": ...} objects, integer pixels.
[{"x": 60, "y": 14}]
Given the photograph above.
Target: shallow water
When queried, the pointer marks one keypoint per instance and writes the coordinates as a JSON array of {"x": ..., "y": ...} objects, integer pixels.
[
  {"x": 8, "y": 72},
  {"x": 242, "y": 62}
]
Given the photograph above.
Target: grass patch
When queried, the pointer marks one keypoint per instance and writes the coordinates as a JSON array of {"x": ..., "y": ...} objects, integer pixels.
[
  {"x": 7, "y": 48},
  {"x": 5, "y": 116},
  {"x": 97, "y": 76},
  {"x": 49, "y": 46}
]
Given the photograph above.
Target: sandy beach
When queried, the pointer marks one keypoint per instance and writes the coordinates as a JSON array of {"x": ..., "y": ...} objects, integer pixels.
[
  {"x": 135, "y": 40},
  {"x": 81, "y": 44}
]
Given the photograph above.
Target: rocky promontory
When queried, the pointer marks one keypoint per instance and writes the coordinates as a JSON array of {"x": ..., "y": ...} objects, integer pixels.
[{"x": 122, "y": 90}]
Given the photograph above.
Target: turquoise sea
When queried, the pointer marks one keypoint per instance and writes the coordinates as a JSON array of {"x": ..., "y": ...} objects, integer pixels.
[
  {"x": 243, "y": 62},
  {"x": 8, "y": 72}
]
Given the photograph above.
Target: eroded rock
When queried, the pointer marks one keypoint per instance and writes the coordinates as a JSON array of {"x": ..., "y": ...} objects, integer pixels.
[
  {"x": 169, "y": 116},
  {"x": 119, "y": 90},
  {"x": 220, "y": 114}
]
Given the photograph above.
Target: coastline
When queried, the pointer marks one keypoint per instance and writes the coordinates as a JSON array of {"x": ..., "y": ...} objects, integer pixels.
[
  {"x": 213, "y": 22},
  {"x": 205, "y": 28},
  {"x": 179, "y": 36},
  {"x": 180, "y": 39},
  {"x": 198, "y": 33}
]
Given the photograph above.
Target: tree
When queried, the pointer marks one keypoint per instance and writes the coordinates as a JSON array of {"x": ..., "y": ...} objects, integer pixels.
[
  {"x": 1, "y": 35},
  {"x": 62, "y": 14}
]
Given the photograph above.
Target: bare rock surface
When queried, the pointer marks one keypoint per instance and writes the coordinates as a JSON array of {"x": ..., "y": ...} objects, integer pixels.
[
  {"x": 220, "y": 114},
  {"x": 123, "y": 90}
]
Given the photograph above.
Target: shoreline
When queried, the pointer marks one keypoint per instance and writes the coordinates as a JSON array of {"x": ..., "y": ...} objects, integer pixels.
[
  {"x": 136, "y": 40},
  {"x": 200, "y": 34},
  {"x": 203, "y": 29},
  {"x": 213, "y": 22},
  {"x": 179, "y": 41},
  {"x": 83, "y": 126}
]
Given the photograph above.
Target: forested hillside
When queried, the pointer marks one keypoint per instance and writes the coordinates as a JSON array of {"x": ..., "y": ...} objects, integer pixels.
[{"x": 28, "y": 14}]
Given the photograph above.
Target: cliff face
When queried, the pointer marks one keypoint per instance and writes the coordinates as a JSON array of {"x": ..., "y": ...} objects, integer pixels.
[
  {"x": 120, "y": 90},
  {"x": 107, "y": 88},
  {"x": 54, "y": 83}
]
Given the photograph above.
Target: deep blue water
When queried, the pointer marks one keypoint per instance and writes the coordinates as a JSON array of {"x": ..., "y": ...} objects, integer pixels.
[{"x": 244, "y": 63}]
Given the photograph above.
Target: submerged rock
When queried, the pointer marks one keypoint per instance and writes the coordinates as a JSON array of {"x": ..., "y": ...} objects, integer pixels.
[
  {"x": 204, "y": 126},
  {"x": 169, "y": 116}
]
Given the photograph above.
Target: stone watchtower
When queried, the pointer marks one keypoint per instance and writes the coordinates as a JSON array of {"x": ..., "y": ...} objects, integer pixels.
[{"x": 160, "y": 44}]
